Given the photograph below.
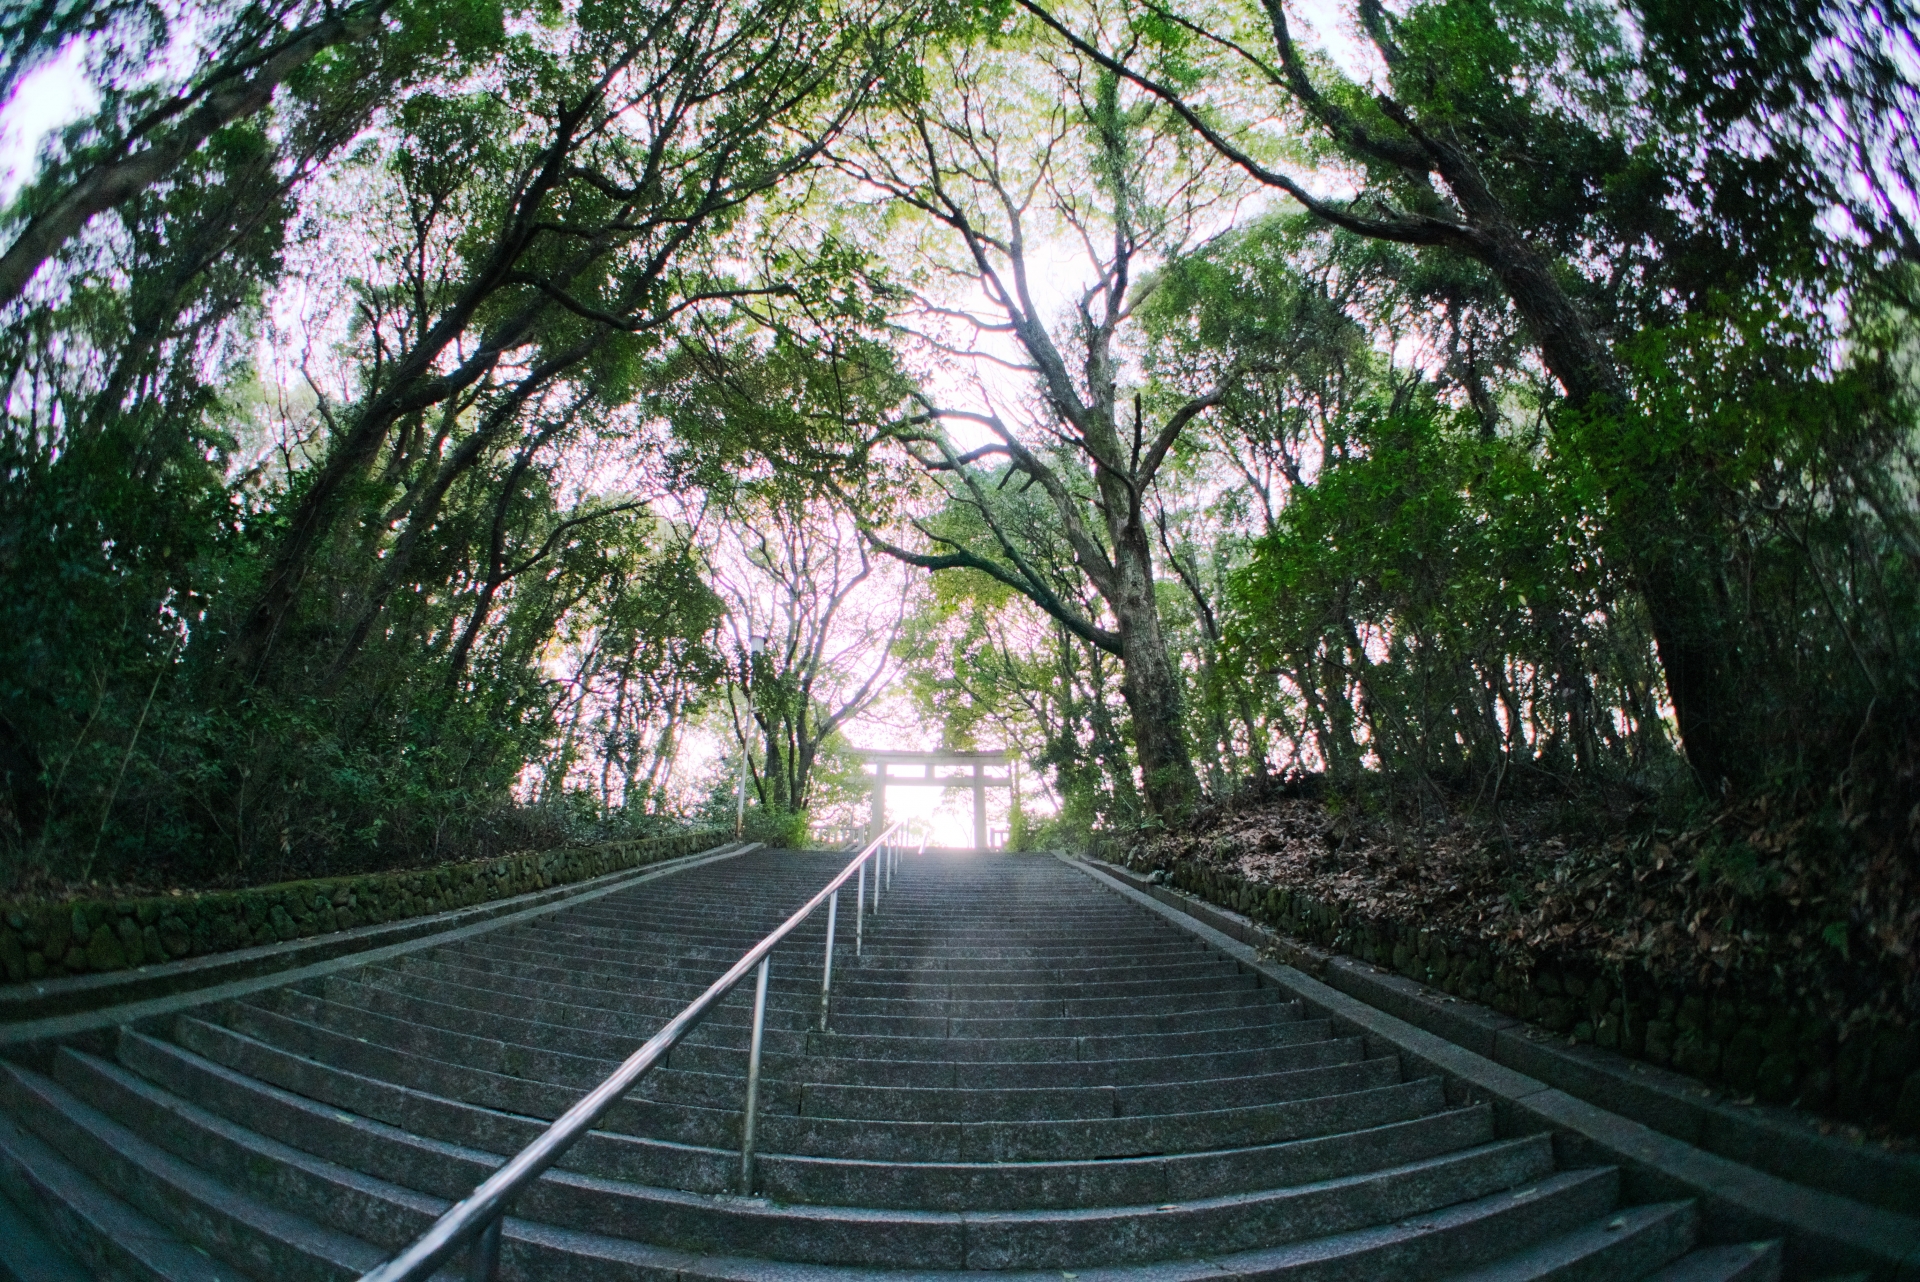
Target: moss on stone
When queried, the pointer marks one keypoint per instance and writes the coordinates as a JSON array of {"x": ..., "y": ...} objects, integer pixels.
[{"x": 41, "y": 941}]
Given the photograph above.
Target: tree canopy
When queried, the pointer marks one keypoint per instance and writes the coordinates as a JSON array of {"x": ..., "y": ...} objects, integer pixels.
[{"x": 414, "y": 407}]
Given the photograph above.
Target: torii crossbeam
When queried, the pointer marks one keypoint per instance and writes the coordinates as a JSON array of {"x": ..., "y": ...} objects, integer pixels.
[{"x": 972, "y": 765}]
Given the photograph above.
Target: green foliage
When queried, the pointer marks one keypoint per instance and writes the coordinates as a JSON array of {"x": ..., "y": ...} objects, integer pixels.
[
  {"x": 261, "y": 628},
  {"x": 284, "y": 596},
  {"x": 1437, "y": 604}
]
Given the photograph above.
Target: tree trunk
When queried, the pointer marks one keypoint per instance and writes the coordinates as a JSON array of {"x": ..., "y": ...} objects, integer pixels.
[
  {"x": 1697, "y": 654},
  {"x": 1153, "y": 691}
]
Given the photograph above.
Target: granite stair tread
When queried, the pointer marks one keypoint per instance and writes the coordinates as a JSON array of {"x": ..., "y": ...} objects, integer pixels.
[{"x": 1021, "y": 1072}]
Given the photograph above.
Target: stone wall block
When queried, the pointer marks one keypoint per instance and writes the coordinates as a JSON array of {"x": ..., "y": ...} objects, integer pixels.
[
  {"x": 13, "y": 957},
  {"x": 49, "y": 941},
  {"x": 1740, "y": 1061}
]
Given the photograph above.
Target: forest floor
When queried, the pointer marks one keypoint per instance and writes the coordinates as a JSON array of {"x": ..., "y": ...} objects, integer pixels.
[{"x": 1824, "y": 904}]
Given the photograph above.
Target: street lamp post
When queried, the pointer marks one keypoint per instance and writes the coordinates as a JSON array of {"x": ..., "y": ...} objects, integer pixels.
[{"x": 756, "y": 646}]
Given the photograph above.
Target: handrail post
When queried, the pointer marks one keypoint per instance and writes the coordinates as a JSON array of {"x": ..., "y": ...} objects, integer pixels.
[
  {"x": 879, "y": 858},
  {"x": 826, "y": 967},
  {"x": 859, "y": 907},
  {"x": 483, "y": 1257},
  {"x": 753, "y": 1078}
]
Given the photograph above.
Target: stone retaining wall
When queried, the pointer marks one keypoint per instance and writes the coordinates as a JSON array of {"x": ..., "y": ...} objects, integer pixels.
[
  {"x": 89, "y": 936},
  {"x": 1764, "y": 1045}
]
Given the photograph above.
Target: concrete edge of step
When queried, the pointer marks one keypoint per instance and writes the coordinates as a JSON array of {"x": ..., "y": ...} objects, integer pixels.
[
  {"x": 160, "y": 991},
  {"x": 1823, "y": 1231},
  {"x": 1775, "y": 1140},
  {"x": 28, "y": 1254}
]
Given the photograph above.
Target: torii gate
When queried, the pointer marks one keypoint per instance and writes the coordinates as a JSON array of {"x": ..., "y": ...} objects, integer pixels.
[{"x": 975, "y": 764}]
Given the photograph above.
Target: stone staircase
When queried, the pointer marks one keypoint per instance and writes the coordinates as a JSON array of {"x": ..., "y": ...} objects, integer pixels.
[{"x": 1025, "y": 1072}]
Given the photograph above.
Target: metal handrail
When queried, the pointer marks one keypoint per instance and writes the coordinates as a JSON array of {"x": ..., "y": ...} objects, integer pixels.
[{"x": 478, "y": 1216}]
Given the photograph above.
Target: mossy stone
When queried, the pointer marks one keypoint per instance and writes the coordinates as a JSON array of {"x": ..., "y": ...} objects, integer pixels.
[
  {"x": 131, "y": 945},
  {"x": 77, "y": 928},
  {"x": 1693, "y": 1054},
  {"x": 1776, "y": 1077},
  {"x": 13, "y": 956},
  {"x": 150, "y": 944},
  {"x": 1723, "y": 1019},
  {"x": 104, "y": 951},
  {"x": 1657, "y": 1041},
  {"x": 175, "y": 939},
  {"x": 1896, "y": 1053},
  {"x": 76, "y": 959},
  {"x": 1906, "y": 1112}
]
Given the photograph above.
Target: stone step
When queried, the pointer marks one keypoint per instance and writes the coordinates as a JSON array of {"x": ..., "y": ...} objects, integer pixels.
[
  {"x": 1286, "y": 1028},
  {"x": 436, "y": 1005},
  {"x": 1742, "y": 1262},
  {"x": 1116, "y": 1181},
  {"x": 1024, "y": 1074},
  {"x": 810, "y": 943},
  {"x": 1456, "y": 1237},
  {"x": 27, "y": 1253},
  {"x": 579, "y": 1059},
  {"x": 377, "y": 1136},
  {"x": 787, "y": 987},
  {"x": 1449, "y": 1238},
  {"x": 1089, "y": 915},
  {"x": 575, "y": 1003},
  {"x": 983, "y": 1074},
  {"x": 802, "y": 967},
  {"x": 256, "y": 1236},
  {"x": 103, "y": 1233},
  {"x": 989, "y": 1074},
  {"x": 303, "y": 1057},
  {"x": 1345, "y": 1071},
  {"x": 860, "y": 972},
  {"x": 333, "y": 1195},
  {"x": 1630, "y": 1243}
]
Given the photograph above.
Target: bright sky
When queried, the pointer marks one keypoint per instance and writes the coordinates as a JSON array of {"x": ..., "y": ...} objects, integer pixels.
[{"x": 53, "y": 96}]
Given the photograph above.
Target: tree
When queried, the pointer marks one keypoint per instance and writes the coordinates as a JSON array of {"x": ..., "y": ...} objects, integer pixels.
[
  {"x": 1525, "y": 119},
  {"x": 981, "y": 657},
  {"x": 141, "y": 135},
  {"x": 645, "y": 664},
  {"x": 1106, "y": 175},
  {"x": 797, "y": 575},
  {"x": 559, "y": 245},
  {"x": 294, "y": 612}
]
